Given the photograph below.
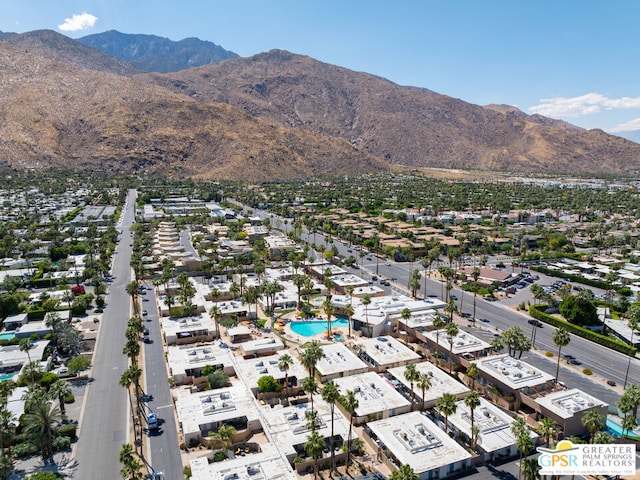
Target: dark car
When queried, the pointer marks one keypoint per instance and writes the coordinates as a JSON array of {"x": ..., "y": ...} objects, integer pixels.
[{"x": 535, "y": 322}]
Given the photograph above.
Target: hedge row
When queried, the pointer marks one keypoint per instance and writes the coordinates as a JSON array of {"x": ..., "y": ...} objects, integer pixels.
[{"x": 537, "y": 311}]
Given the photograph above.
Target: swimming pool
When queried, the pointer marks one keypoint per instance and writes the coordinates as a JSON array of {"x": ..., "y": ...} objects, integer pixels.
[
  {"x": 309, "y": 329},
  {"x": 7, "y": 377},
  {"x": 7, "y": 336},
  {"x": 616, "y": 430}
]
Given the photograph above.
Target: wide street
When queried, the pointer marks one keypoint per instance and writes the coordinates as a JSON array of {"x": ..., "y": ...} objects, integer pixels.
[
  {"x": 163, "y": 448},
  {"x": 103, "y": 427}
]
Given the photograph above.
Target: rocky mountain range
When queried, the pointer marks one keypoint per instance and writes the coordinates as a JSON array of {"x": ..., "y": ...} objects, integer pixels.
[
  {"x": 157, "y": 54},
  {"x": 275, "y": 115}
]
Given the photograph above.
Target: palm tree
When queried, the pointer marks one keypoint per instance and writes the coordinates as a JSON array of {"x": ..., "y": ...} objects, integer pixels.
[
  {"x": 39, "y": 423},
  {"x": 223, "y": 438},
  {"x": 424, "y": 384},
  {"x": 366, "y": 301},
  {"x": 472, "y": 400},
  {"x": 310, "y": 386},
  {"x": 531, "y": 469},
  {"x": 350, "y": 403},
  {"x": 561, "y": 338},
  {"x": 446, "y": 406},
  {"x": 331, "y": 395},
  {"x": 130, "y": 466},
  {"x": 27, "y": 345},
  {"x": 314, "y": 447},
  {"x": 547, "y": 429},
  {"x": 216, "y": 314},
  {"x": 310, "y": 356},
  {"x": 284, "y": 363},
  {"x": 412, "y": 375},
  {"x": 633, "y": 317},
  {"x": 452, "y": 332},
  {"x": 438, "y": 323},
  {"x": 405, "y": 472},
  {"x": 451, "y": 308},
  {"x": 472, "y": 373},
  {"x": 524, "y": 444},
  {"x": 406, "y": 315},
  {"x": 57, "y": 391},
  {"x": 132, "y": 289},
  {"x": 132, "y": 349},
  {"x": 593, "y": 422},
  {"x": 7, "y": 430},
  {"x": 349, "y": 311},
  {"x": 328, "y": 308}
]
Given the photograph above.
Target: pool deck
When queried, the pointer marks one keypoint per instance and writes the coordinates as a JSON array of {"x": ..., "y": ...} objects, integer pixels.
[{"x": 290, "y": 336}]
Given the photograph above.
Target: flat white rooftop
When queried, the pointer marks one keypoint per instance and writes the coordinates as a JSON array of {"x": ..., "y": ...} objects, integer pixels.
[
  {"x": 418, "y": 442},
  {"x": 266, "y": 465},
  {"x": 440, "y": 382},
  {"x": 512, "y": 372},
  {"x": 568, "y": 403},
  {"x": 261, "y": 346},
  {"x": 288, "y": 426},
  {"x": 187, "y": 326},
  {"x": 462, "y": 343},
  {"x": 337, "y": 359},
  {"x": 494, "y": 425},
  {"x": 199, "y": 410},
  {"x": 184, "y": 358},
  {"x": 374, "y": 393},
  {"x": 252, "y": 369},
  {"x": 387, "y": 307},
  {"x": 387, "y": 351}
]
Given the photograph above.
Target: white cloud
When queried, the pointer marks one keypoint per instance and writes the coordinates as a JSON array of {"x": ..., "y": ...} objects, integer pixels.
[
  {"x": 582, "y": 105},
  {"x": 77, "y": 22},
  {"x": 630, "y": 126}
]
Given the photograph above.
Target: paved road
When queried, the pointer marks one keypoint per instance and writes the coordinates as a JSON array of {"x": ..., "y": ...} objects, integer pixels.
[
  {"x": 103, "y": 427},
  {"x": 164, "y": 451}
]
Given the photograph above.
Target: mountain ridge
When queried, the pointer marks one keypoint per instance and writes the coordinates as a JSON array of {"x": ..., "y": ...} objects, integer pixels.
[{"x": 153, "y": 53}]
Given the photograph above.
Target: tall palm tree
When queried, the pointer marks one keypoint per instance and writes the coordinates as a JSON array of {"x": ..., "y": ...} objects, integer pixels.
[
  {"x": 7, "y": 430},
  {"x": 314, "y": 447},
  {"x": 328, "y": 308},
  {"x": 561, "y": 338},
  {"x": 438, "y": 323},
  {"x": 26, "y": 345},
  {"x": 593, "y": 422},
  {"x": 331, "y": 394},
  {"x": 284, "y": 363},
  {"x": 424, "y": 384},
  {"x": 405, "y": 315},
  {"x": 132, "y": 349},
  {"x": 472, "y": 373},
  {"x": 472, "y": 400},
  {"x": 366, "y": 301},
  {"x": 58, "y": 390},
  {"x": 633, "y": 318},
  {"x": 132, "y": 289},
  {"x": 216, "y": 314},
  {"x": 452, "y": 332},
  {"x": 39, "y": 421},
  {"x": 349, "y": 311},
  {"x": 350, "y": 403},
  {"x": 446, "y": 406},
  {"x": 310, "y": 386},
  {"x": 547, "y": 429},
  {"x": 524, "y": 444},
  {"x": 412, "y": 375}
]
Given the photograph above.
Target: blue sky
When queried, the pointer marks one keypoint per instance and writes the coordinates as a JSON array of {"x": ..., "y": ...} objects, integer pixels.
[{"x": 574, "y": 60}]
